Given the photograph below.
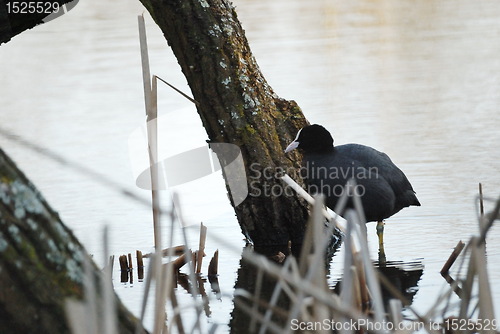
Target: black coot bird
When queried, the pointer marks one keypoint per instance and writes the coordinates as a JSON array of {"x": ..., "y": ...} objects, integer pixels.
[{"x": 382, "y": 186}]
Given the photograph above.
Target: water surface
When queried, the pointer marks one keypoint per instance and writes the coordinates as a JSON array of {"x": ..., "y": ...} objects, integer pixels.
[{"x": 417, "y": 80}]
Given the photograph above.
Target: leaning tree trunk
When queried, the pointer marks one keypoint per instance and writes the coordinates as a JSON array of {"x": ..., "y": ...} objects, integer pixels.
[
  {"x": 41, "y": 261},
  {"x": 237, "y": 106}
]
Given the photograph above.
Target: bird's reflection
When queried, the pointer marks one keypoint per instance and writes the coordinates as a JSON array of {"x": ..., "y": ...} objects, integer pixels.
[{"x": 403, "y": 276}]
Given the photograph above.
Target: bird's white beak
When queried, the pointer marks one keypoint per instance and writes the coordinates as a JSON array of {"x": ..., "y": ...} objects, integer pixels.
[{"x": 293, "y": 145}]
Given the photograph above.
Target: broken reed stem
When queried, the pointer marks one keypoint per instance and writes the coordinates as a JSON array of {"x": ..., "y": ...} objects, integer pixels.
[
  {"x": 139, "y": 257},
  {"x": 123, "y": 263},
  {"x": 123, "y": 268},
  {"x": 130, "y": 265},
  {"x": 453, "y": 257},
  {"x": 194, "y": 258},
  {"x": 130, "y": 268},
  {"x": 214, "y": 263},
  {"x": 179, "y": 262},
  {"x": 201, "y": 248},
  {"x": 140, "y": 265}
]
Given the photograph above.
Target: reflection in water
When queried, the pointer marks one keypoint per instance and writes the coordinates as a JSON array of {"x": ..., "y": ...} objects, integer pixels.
[
  {"x": 247, "y": 281},
  {"x": 402, "y": 276}
]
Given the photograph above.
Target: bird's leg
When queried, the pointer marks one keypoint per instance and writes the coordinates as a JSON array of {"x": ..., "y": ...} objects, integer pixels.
[
  {"x": 380, "y": 233},
  {"x": 381, "y": 251}
]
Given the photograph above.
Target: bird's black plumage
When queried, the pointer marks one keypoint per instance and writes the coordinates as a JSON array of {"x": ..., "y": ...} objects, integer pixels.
[{"x": 383, "y": 187}]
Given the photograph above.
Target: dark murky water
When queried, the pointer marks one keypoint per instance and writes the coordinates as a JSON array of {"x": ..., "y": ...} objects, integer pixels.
[{"x": 419, "y": 81}]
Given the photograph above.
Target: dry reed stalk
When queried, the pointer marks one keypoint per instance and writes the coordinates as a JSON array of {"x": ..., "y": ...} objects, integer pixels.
[
  {"x": 271, "y": 326},
  {"x": 279, "y": 311},
  {"x": 193, "y": 287},
  {"x": 201, "y": 248},
  {"x": 346, "y": 294},
  {"x": 320, "y": 312},
  {"x": 481, "y": 203},
  {"x": 396, "y": 311},
  {"x": 304, "y": 285},
  {"x": 147, "y": 287},
  {"x": 302, "y": 193},
  {"x": 372, "y": 281},
  {"x": 396, "y": 294},
  {"x": 274, "y": 296},
  {"x": 307, "y": 247},
  {"x": 130, "y": 265},
  {"x": 111, "y": 264},
  {"x": 140, "y": 265},
  {"x": 352, "y": 258},
  {"x": 486, "y": 307},
  {"x": 177, "y": 320},
  {"x": 371, "y": 278},
  {"x": 83, "y": 316},
  {"x": 123, "y": 263},
  {"x": 176, "y": 250},
  {"x": 93, "y": 314},
  {"x": 467, "y": 286},
  {"x": 361, "y": 281},
  {"x": 486, "y": 221},
  {"x": 150, "y": 98},
  {"x": 256, "y": 298},
  {"x": 109, "y": 322},
  {"x": 194, "y": 259},
  {"x": 130, "y": 269},
  {"x": 180, "y": 262},
  {"x": 356, "y": 283},
  {"x": 160, "y": 315},
  {"x": 139, "y": 258},
  {"x": 453, "y": 257},
  {"x": 314, "y": 260}
]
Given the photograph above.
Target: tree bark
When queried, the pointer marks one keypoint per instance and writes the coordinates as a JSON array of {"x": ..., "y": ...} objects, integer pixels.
[
  {"x": 237, "y": 106},
  {"x": 41, "y": 261}
]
